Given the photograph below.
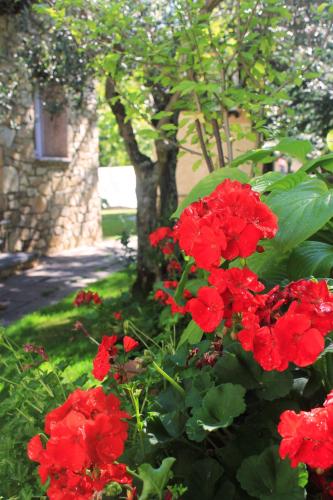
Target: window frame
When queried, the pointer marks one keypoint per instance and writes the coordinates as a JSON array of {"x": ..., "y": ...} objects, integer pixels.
[{"x": 39, "y": 135}]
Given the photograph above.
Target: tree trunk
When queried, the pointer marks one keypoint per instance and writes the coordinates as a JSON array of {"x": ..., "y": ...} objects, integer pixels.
[
  {"x": 146, "y": 192},
  {"x": 146, "y": 172},
  {"x": 167, "y": 163},
  {"x": 149, "y": 174}
]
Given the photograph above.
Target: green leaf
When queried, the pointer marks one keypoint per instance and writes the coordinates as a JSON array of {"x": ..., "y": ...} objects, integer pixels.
[
  {"x": 301, "y": 212},
  {"x": 325, "y": 161},
  {"x": 255, "y": 156},
  {"x": 220, "y": 406},
  {"x": 206, "y": 185},
  {"x": 203, "y": 479},
  {"x": 262, "y": 182},
  {"x": 194, "y": 430},
  {"x": 276, "y": 384},
  {"x": 322, "y": 7},
  {"x": 148, "y": 133},
  {"x": 267, "y": 477},
  {"x": 162, "y": 114},
  {"x": 238, "y": 366},
  {"x": 185, "y": 87},
  {"x": 155, "y": 480},
  {"x": 192, "y": 334},
  {"x": 169, "y": 126},
  {"x": 311, "y": 258},
  {"x": 197, "y": 164},
  {"x": 289, "y": 181},
  {"x": 296, "y": 148}
]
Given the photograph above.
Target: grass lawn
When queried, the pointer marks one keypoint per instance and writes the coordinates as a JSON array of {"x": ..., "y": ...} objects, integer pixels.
[
  {"x": 116, "y": 221},
  {"x": 52, "y": 326}
]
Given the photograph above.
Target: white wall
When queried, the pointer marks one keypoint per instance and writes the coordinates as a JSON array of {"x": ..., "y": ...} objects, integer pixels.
[{"x": 116, "y": 185}]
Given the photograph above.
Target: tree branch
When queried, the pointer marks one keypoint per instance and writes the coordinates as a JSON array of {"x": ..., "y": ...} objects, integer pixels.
[
  {"x": 210, "y": 6},
  {"x": 125, "y": 125},
  {"x": 218, "y": 140}
]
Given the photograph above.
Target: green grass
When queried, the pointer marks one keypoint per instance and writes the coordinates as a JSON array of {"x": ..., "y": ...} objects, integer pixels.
[
  {"x": 115, "y": 222},
  {"x": 52, "y": 326}
]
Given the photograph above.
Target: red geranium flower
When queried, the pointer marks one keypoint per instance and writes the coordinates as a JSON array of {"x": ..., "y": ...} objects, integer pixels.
[
  {"x": 226, "y": 224},
  {"x": 206, "y": 309},
  {"x": 85, "y": 298},
  {"x": 86, "y": 434},
  {"x": 160, "y": 234},
  {"x": 106, "y": 353},
  {"x": 129, "y": 343},
  {"x": 308, "y": 437}
]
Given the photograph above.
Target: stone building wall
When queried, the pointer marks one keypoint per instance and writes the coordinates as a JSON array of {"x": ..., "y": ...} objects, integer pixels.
[{"x": 47, "y": 205}]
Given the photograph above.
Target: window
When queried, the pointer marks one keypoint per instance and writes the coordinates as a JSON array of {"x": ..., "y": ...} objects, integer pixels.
[{"x": 51, "y": 126}]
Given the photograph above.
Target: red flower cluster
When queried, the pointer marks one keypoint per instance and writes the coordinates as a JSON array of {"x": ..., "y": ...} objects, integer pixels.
[
  {"x": 297, "y": 335},
  {"x": 308, "y": 436},
  {"x": 279, "y": 327},
  {"x": 85, "y": 298},
  {"x": 107, "y": 354},
  {"x": 231, "y": 293},
  {"x": 226, "y": 224},
  {"x": 168, "y": 299},
  {"x": 86, "y": 436},
  {"x": 160, "y": 234},
  {"x": 160, "y": 238}
]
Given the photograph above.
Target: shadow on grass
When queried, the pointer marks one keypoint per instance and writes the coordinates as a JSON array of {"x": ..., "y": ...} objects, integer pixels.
[{"x": 52, "y": 326}]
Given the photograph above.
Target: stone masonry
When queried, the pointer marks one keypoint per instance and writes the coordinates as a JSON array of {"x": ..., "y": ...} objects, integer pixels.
[{"x": 53, "y": 204}]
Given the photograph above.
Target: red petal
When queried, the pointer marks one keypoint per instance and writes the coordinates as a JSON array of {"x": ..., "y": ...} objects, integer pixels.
[
  {"x": 129, "y": 343},
  {"x": 35, "y": 448}
]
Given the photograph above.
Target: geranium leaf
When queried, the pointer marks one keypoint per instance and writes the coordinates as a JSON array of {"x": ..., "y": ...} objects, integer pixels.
[
  {"x": 222, "y": 404},
  {"x": 155, "y": 480},
  {"x": 238, "y": 366},
  {"x": 267, "y": 477},
  {"x": 204, "y": 476},
  {"x": 275, "y": 384}
]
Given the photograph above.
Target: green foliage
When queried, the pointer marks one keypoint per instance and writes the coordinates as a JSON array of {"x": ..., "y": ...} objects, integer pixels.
[
  {"x": 301, "y": 212},
  {"x": 155, "y": 480},
  {"x": 28, "y": 390},
  {"x": 220, "y": 406},
  {"x": 192, "y": 334},
  {"x": 311, "y": 258},
  {"x": 266, "y": 476}
]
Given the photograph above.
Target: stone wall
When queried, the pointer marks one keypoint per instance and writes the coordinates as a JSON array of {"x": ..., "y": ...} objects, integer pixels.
[{"x": 48, "y": 205}]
